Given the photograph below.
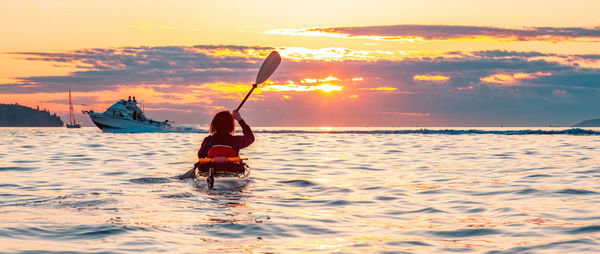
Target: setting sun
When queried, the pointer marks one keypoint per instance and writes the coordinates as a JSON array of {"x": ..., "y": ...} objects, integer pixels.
[
  {"x": 302, "y": 88},
  {"x": 329, "y": 88},
  {"x": 326, "y": 128}
]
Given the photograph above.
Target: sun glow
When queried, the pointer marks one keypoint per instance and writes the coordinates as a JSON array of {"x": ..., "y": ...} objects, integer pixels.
[
  {"x": 329, "y": 88},
  {"x": 229, "y": 52},
  {"x": 306, "y": 85},
  {"x": 314, "y": 80},
  {"x": 301, "y": 88},
  {"x": 332, "y": 54},
  {"x": 326, "y": 128},
  {"x": 317, "y": 32}
]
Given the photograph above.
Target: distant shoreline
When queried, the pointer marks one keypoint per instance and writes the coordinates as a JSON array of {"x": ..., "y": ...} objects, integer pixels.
[
  {"x": 15, "y": 115},
  {"x": 589, "y": 123}
]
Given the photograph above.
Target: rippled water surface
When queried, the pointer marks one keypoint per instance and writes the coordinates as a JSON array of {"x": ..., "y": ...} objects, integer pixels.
[{"x": 85, "y": 191}]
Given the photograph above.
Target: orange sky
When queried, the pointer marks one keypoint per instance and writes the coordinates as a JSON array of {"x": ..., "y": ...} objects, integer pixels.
[{"x": 71, "y": 26}]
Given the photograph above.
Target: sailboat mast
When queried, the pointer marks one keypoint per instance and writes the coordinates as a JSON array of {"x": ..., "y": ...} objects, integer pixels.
[{"x": 72, "y": 116}]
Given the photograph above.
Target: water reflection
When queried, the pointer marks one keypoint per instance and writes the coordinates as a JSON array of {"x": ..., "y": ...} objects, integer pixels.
[{"x": 423, "y": 193}]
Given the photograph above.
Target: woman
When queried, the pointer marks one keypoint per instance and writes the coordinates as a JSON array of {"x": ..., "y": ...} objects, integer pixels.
[{"x": 222, "y": 142}]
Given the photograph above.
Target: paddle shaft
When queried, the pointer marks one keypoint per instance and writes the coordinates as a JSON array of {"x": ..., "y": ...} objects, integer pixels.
[{"x": 247, "y": 95}]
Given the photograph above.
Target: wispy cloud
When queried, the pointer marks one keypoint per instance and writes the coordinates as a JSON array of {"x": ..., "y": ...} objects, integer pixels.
[
  {"x": 431, "y": 78},
  {"x": 383, "y": 88},
  {"x": 407, "y": 114},
  {"x": 511, "y": 79},
  {"x": 412, "y": 33},
  {"x": 182, "y": 82},
  {"x": 181, "y": 67},
  {"x": 99, "y": 68}
]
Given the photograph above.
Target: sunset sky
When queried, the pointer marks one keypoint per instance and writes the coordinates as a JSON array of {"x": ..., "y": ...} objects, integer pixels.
[{"x": 345, "y": 63}]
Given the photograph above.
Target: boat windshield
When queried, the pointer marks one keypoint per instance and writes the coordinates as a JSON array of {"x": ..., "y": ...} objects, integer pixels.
[{"x": 114, "y": 113}]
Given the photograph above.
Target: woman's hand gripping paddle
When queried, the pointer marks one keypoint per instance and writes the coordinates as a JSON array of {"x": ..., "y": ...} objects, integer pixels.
[{"x": 268, "y": 67}]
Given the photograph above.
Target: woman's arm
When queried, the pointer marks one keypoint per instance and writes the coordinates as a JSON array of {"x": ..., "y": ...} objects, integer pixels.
[
  {"x": 246, "y": 140},
  {"x": 240, "y": 142},
  {"x": 206, "y": 144}
]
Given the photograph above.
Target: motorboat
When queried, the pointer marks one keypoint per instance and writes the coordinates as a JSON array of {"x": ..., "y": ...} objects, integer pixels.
[{"x": 126, "y": 116}]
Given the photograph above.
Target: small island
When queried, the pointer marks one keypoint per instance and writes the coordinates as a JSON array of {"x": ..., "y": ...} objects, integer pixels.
[
  {"x": 15, "y": 115},
  {"x": 589, "y": 123}
]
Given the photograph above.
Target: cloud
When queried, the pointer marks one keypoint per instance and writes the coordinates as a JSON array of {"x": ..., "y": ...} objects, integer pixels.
[
  {"x": 509, "y": 54},
  {"x": 407, "y": 114},
  {"x": 189, "y": 83},
  {"x": 559, "y": 92},
  {"x": 301, "y": 88},
  {"x": 99, "y": 69},
  {"x": 431, "y": 78},
  {"x": 229, "y": 68},
  {"x": 511, "y": 79},
  {"x": 411, "y": 33},
  {"x": 589, "y": 57},
  {"x": 333, "y": 54},
  {"x": 383, "y": 88}
]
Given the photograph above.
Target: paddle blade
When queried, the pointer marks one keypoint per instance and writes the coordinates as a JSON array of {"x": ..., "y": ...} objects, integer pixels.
[{"x": 268, "y": 67}]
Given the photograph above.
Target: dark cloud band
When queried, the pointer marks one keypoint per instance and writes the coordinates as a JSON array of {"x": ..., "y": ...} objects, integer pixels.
[
  {"x": 448, "y": 32},
  {"x": 100, "y": 69},
  {"x": 481, "y": 85}
]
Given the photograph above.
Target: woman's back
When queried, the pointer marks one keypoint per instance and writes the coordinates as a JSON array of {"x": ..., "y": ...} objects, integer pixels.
[{"x": 222, "y": 128}]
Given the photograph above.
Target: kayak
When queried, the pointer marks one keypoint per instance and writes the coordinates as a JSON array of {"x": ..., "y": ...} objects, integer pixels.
[{"x": 222, "y": 179}]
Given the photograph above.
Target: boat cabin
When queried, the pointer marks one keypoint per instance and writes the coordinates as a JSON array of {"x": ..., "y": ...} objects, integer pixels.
[
  {"x": 118, "y": 110},
  {"x": 126, "y": 109}
]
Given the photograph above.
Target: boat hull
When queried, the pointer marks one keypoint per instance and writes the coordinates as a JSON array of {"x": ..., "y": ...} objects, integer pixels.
[
  {"x": 225, "y": 183},
  {"x": 105, "y": 122}
]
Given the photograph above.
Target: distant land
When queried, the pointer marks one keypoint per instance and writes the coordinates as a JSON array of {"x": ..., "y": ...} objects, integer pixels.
[
  {"x": 589, "y": 123},
  {"x": 15, "y": 115}
]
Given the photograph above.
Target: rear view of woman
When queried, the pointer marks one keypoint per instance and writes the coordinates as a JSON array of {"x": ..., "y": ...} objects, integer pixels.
[{"x": 221, "y": 142}]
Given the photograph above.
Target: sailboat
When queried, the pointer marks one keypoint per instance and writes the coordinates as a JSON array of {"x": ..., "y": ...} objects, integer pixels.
[{"x": 72, "y": 123}]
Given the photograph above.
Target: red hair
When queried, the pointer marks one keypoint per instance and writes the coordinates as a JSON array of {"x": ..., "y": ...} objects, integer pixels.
[{"x": 222, "y": 123}]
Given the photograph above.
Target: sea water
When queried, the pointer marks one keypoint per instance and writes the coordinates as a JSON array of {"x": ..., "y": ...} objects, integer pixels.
[{"x": 311, "y": 190}]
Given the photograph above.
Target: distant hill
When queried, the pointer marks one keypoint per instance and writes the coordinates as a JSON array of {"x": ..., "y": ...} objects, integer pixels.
[
  {"x": 14, "y": 115},
  {"x": 589, "y": 123}
]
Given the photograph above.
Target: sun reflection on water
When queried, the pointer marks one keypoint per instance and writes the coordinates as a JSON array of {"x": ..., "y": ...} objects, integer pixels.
[{"x": 309, "y": 192}]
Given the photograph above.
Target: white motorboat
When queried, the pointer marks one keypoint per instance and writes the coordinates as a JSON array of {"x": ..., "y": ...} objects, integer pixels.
[{"x": 126, "y": 116}]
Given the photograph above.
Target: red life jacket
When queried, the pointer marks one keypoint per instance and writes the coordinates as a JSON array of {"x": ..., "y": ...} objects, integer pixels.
[{"x": 221, "y": 151}]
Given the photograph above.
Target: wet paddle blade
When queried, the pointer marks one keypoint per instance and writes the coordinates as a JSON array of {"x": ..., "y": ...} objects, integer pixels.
[{"x": 268, "y": 67}]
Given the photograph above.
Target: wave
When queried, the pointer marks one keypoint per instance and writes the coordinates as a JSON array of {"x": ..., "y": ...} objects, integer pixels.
[
  {"x": 572, "y": 131},
  {"x": 175, "y": 129},
  {"x": 187, "y": 129}
]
